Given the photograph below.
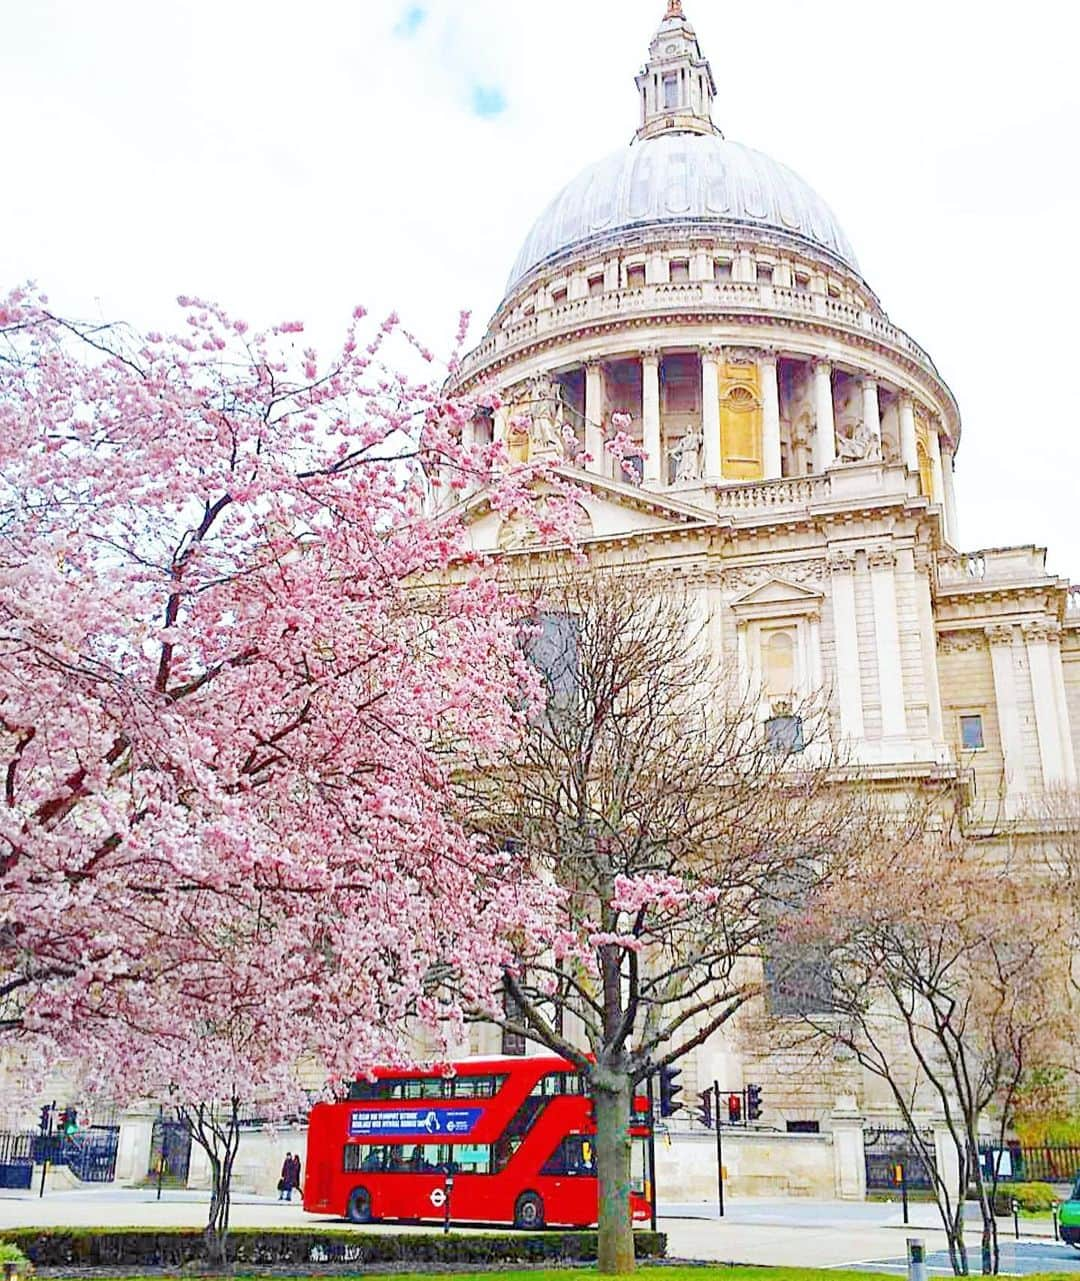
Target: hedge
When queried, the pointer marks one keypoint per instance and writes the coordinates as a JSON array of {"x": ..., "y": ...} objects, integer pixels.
[
  {"x": 164, "y": 1247},
  {"x": 1029, "y": 1197}
]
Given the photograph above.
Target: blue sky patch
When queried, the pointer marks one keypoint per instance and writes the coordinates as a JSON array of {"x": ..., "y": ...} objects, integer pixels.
[
  {"x": 488, "y": 100},
  {"x": 410, "y": 21}
]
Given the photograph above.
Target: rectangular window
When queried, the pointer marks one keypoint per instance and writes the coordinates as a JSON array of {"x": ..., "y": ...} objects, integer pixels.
[
  {"x": 554, "y": 653},
  {"x": 971, "y": 733},
  {"x": 804, "y": 1127},
  {"x": 635, "y": 276},
  {"x": 556, "y": 1083},
  {"x": 418, "y": 1158},
  {"x": 671, "y": 92},
  {"x": 764, "y": 274},
  {"x": 596, "y": 285},
  {"x": 456, "y": 1087},
  {"x": 558, "y": 297},
  {"x": 721, "y": 269},
  {"x": 797, "y": 973},
  {"x": 784, "y": 734},
  {"x": 680, "y": 270},
  {"x": 575, "y": 1155}
]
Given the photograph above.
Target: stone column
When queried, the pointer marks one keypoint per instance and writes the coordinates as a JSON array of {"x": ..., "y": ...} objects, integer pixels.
[
  {"x": 909, "y": 449},
  {"x": 770, "y": 395},
  {"x": 849, "y": 1152},
  {"x": 946, "y": 1153},
  {"x": 650, "y": 414},
  {"x": 845, "y": 631},
  {"x": 887, "y": 641},
  {"x": 594, "y": 417},
  {"x": 872, "y": 410},
  {"x": 1068, "y": 754},
  {"x": 825, "y": 431},
  {"x": 928, "y": 641},
  {"x": 952, "y": 530},
  {"x": 1045, "y": 694},
  {"x": 1008, "y": 710},
  {"x": 710, "y": 412}
]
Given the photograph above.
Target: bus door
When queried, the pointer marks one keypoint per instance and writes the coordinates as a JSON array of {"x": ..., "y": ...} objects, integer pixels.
[{"x": 569, "y": 1182}]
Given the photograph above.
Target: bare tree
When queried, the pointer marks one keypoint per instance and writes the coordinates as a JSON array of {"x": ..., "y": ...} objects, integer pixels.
[
  {"x": 654, "y": 795},
  {"x": 945, "y": 981}
]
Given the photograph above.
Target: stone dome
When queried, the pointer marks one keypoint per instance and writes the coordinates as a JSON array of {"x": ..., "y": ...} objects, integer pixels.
[{"x": 700, "y": 180}]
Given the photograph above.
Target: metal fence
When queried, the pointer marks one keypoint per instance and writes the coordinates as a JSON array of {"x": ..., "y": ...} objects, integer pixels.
[
  {"x": 1048, "y": 1163},
  {"x": 886, "y": 1149},
  {"x": 89, "y": 1154},
  {"x": 16, "y": 1160}
]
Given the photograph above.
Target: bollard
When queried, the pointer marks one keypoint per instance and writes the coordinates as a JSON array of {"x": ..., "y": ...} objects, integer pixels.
[
  {"x": 1016, "y": 1219},
  {"x": 1054, "y": 1216},
  {"x": 916, "y": 1259}
]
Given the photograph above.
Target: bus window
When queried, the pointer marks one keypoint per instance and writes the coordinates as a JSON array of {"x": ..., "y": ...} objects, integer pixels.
[
  {"x": 555, "y": 1083},
  {"x": 502, "y": 1150},
  {"x": 473, "y": 1087},
  {"x": 424, "y": 1088},
  {"x": 576, "y": 1154},
  {"x": 363, "y": 1156}
]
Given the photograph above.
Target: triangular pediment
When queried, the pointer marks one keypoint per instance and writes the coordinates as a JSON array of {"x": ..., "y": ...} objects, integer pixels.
[
  {"x": 610, "y": 510},
  {"x": 777, "y": 593}
]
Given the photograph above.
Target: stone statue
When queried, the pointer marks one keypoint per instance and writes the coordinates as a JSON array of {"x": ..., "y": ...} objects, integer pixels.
[
  {"x": 861, "y": 445},
  {"x": 687, "y": 455},
  {"x": 547, "y": 431}
]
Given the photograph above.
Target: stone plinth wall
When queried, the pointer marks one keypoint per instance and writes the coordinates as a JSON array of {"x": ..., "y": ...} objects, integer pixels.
[{"x": 755, "y": 1164}]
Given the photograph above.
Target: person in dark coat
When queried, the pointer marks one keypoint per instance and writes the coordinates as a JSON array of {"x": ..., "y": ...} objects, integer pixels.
[{"x": 284, "y": 1186}]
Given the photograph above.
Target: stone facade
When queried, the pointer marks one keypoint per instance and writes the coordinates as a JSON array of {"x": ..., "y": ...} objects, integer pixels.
[{"x": 795, "y": 462}]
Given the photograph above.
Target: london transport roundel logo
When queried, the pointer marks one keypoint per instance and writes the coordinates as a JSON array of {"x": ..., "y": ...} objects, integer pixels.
[{"x": 438, "y": 1197}]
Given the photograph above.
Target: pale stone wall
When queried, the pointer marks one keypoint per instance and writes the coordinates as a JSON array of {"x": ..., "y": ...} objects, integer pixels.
[
  {"x": 967, "y": 686},
  {"x": 755, "y": 1164},
  {"x": 1070, "y": 661}
]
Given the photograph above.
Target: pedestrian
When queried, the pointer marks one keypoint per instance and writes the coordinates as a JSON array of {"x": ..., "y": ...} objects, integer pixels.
[
  {"x": 283, "y": 1187},
  {"x": 294, "y": 1182}
]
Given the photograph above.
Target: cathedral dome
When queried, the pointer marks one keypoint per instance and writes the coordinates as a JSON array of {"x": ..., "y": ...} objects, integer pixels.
[{"x": 700, "y": 181}]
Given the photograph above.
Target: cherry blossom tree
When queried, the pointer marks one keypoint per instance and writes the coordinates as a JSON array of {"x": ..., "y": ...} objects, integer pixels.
[{"x": 235, "y": 680}]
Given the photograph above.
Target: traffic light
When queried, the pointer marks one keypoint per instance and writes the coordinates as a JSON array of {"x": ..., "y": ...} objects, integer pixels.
[
  {"x": 669, "y": 1090},
  {"x": 704, "y": 1114},
  {"x": 69, "y": 1122},
  {"x": 45, "y": 1122},
  {"x": 753, "y": 1102},
  {"x": 734, "y": 1109}
]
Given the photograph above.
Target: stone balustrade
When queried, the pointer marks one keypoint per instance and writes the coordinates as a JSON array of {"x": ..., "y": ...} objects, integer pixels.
[
  {"x": 661, "y": 299},
  {"x": 994, "y": 565},
  {"x": 764, "y": 497}
]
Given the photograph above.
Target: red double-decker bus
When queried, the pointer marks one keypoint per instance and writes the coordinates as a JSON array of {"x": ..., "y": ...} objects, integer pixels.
[{"x": 492, "y": 1140}]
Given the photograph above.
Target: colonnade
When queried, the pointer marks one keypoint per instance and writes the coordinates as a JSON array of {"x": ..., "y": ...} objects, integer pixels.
[{"x": 824, "y": 442}]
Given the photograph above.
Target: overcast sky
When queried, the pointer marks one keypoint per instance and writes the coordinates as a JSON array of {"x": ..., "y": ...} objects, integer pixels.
[{"x": 293, "y": 159}]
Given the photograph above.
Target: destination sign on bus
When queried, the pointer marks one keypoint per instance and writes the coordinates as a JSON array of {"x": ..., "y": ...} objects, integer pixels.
[{"x": 435, "y": 1121}]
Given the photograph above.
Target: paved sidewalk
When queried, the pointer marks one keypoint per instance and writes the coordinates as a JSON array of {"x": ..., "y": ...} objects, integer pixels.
[{"x": 791, "y": 1232}]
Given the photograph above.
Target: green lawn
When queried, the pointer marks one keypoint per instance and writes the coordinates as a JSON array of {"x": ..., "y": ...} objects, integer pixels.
[{"x": 716, "y": 1273}]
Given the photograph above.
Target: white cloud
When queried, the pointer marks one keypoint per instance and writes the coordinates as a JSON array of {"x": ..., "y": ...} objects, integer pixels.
[{"x": 292, "y": 160}]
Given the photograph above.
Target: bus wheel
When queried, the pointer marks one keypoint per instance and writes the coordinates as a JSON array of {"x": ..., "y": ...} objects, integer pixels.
[
  {"x": 359, "y": 1207},
  {"x": 529, "y": 1211}
]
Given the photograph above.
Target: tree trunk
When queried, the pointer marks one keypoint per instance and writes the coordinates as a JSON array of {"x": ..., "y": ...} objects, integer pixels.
[
  {"x": 612, "y": 1095},
  {"x": 215, "y": 1236}
]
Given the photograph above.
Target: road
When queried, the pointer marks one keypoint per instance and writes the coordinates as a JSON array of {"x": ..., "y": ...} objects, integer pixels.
[{"x": 790, "y": 1232}]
